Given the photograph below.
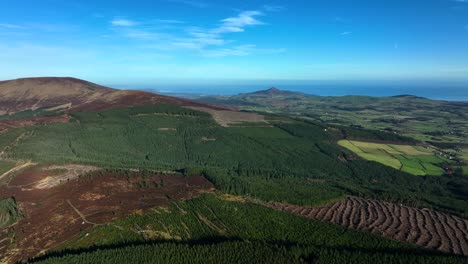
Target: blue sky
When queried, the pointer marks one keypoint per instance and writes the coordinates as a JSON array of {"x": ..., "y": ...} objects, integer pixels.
[{"x": 207, "y": 41}]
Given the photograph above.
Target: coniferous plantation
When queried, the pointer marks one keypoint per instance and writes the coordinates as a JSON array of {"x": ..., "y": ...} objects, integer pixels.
[
  {"x": 203, "y": 131},
  {"x": 250, "y": 166}
]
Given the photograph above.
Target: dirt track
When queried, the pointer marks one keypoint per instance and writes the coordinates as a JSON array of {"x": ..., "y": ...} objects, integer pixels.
[
  {"x": 426, "y": 228},
  {"x": 16, "y": 169}
]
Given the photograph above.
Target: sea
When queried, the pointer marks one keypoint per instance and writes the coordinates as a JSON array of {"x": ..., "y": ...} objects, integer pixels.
[{"x": 437, "y": 91}]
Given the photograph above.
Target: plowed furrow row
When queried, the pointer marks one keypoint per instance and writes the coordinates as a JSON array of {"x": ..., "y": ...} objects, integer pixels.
[
  {"x": 388, "y": 218},
  {"x": 347, "y": 213},
  {"x": 338, "y": 216},
  {"x": 426, "y": 228},
  {"x": 297, "y": 210},
  {"x": 362, "y": 216},
  {"x": 330, "y": 212},
  {"x": 305, "y": 211},
  {"x": 461, "y": 234},
  {"x": 355, "y": 212},
  {"x": 414, "y": 231},
  {"x": 373, "y": 215},
  {"x": 462, "y": 225},
  {"x": 321, "y": 213},
  {"x": 424, "y": 237},
  {"x": 394, "y": 227},
  {"x": 435, "y": 242},
  {"x": 455, "y": 234},
  {"x": 444, "y": 240},
  {"x": 312, "y": 213},
  {"x": 380, "y": 217},
  {"x": 447, "y": 238},
  {"x": 402, "y": 232}
]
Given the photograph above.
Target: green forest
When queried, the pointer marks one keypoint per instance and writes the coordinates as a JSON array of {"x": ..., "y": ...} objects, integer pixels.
[{"x": 255, "y": 161}]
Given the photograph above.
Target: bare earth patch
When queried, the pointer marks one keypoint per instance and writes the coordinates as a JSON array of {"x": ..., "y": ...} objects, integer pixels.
[
  {"x": 62, "y": 174},
  {"x": 54, "y": 215},
  {"x": 226, "y": 118}
]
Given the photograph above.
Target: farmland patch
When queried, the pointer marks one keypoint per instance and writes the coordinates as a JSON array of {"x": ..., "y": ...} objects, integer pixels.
[{"x": 414, "y": 160}]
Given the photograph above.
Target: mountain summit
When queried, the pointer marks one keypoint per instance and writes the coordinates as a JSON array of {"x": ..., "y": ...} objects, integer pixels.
[
  {"x": 71, "y": 95},
  {"x": 271, "y": 91}
]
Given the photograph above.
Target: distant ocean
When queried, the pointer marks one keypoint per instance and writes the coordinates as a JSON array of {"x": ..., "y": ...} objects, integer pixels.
[{"x": 451, "y": 92}]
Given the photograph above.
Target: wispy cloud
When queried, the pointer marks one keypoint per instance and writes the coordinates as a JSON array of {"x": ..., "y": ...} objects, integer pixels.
[
  {"x": 208, "y": 42},
  {"x": 238, "y": 23},
  {"x": 346, "y": 33},
  {"x": 123, "y": 23}
]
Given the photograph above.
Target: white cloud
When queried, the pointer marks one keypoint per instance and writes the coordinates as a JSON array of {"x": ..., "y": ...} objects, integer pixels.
[
  {"x": 346, "y": 33},
  {"x": 123, "y": 23},
  {"x": 237, "y": 24},
  {"x": 209, "y": 42}
]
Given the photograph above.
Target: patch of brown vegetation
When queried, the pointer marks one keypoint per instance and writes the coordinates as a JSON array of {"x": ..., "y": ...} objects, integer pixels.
[
  {"x": 52, "y": 216},
  {"x": 424, "y": 227},
  {"x": 226, "y": 117},
  {"x": 15, "y": 123},
  {"x": 16, "y": 169},
  {"x": 234, "y": 198},
  {"x": 167, "y": 129},
  {"x": 75, "y": 95}
]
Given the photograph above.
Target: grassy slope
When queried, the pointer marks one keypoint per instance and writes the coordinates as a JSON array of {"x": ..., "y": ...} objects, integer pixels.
[{"x": 239, "y": 233}]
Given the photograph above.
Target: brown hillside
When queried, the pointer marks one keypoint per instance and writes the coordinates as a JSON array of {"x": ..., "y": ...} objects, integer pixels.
[{"x": 73, "y": 95}]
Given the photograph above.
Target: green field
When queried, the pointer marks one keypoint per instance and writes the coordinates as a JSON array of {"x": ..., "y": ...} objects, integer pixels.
[
  {"x": 411, "y": 159},
  {"x": 206, "y": 228}
]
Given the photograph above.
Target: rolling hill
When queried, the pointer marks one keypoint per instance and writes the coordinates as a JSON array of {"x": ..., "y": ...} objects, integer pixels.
[{"x": 72, "y": 95}]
